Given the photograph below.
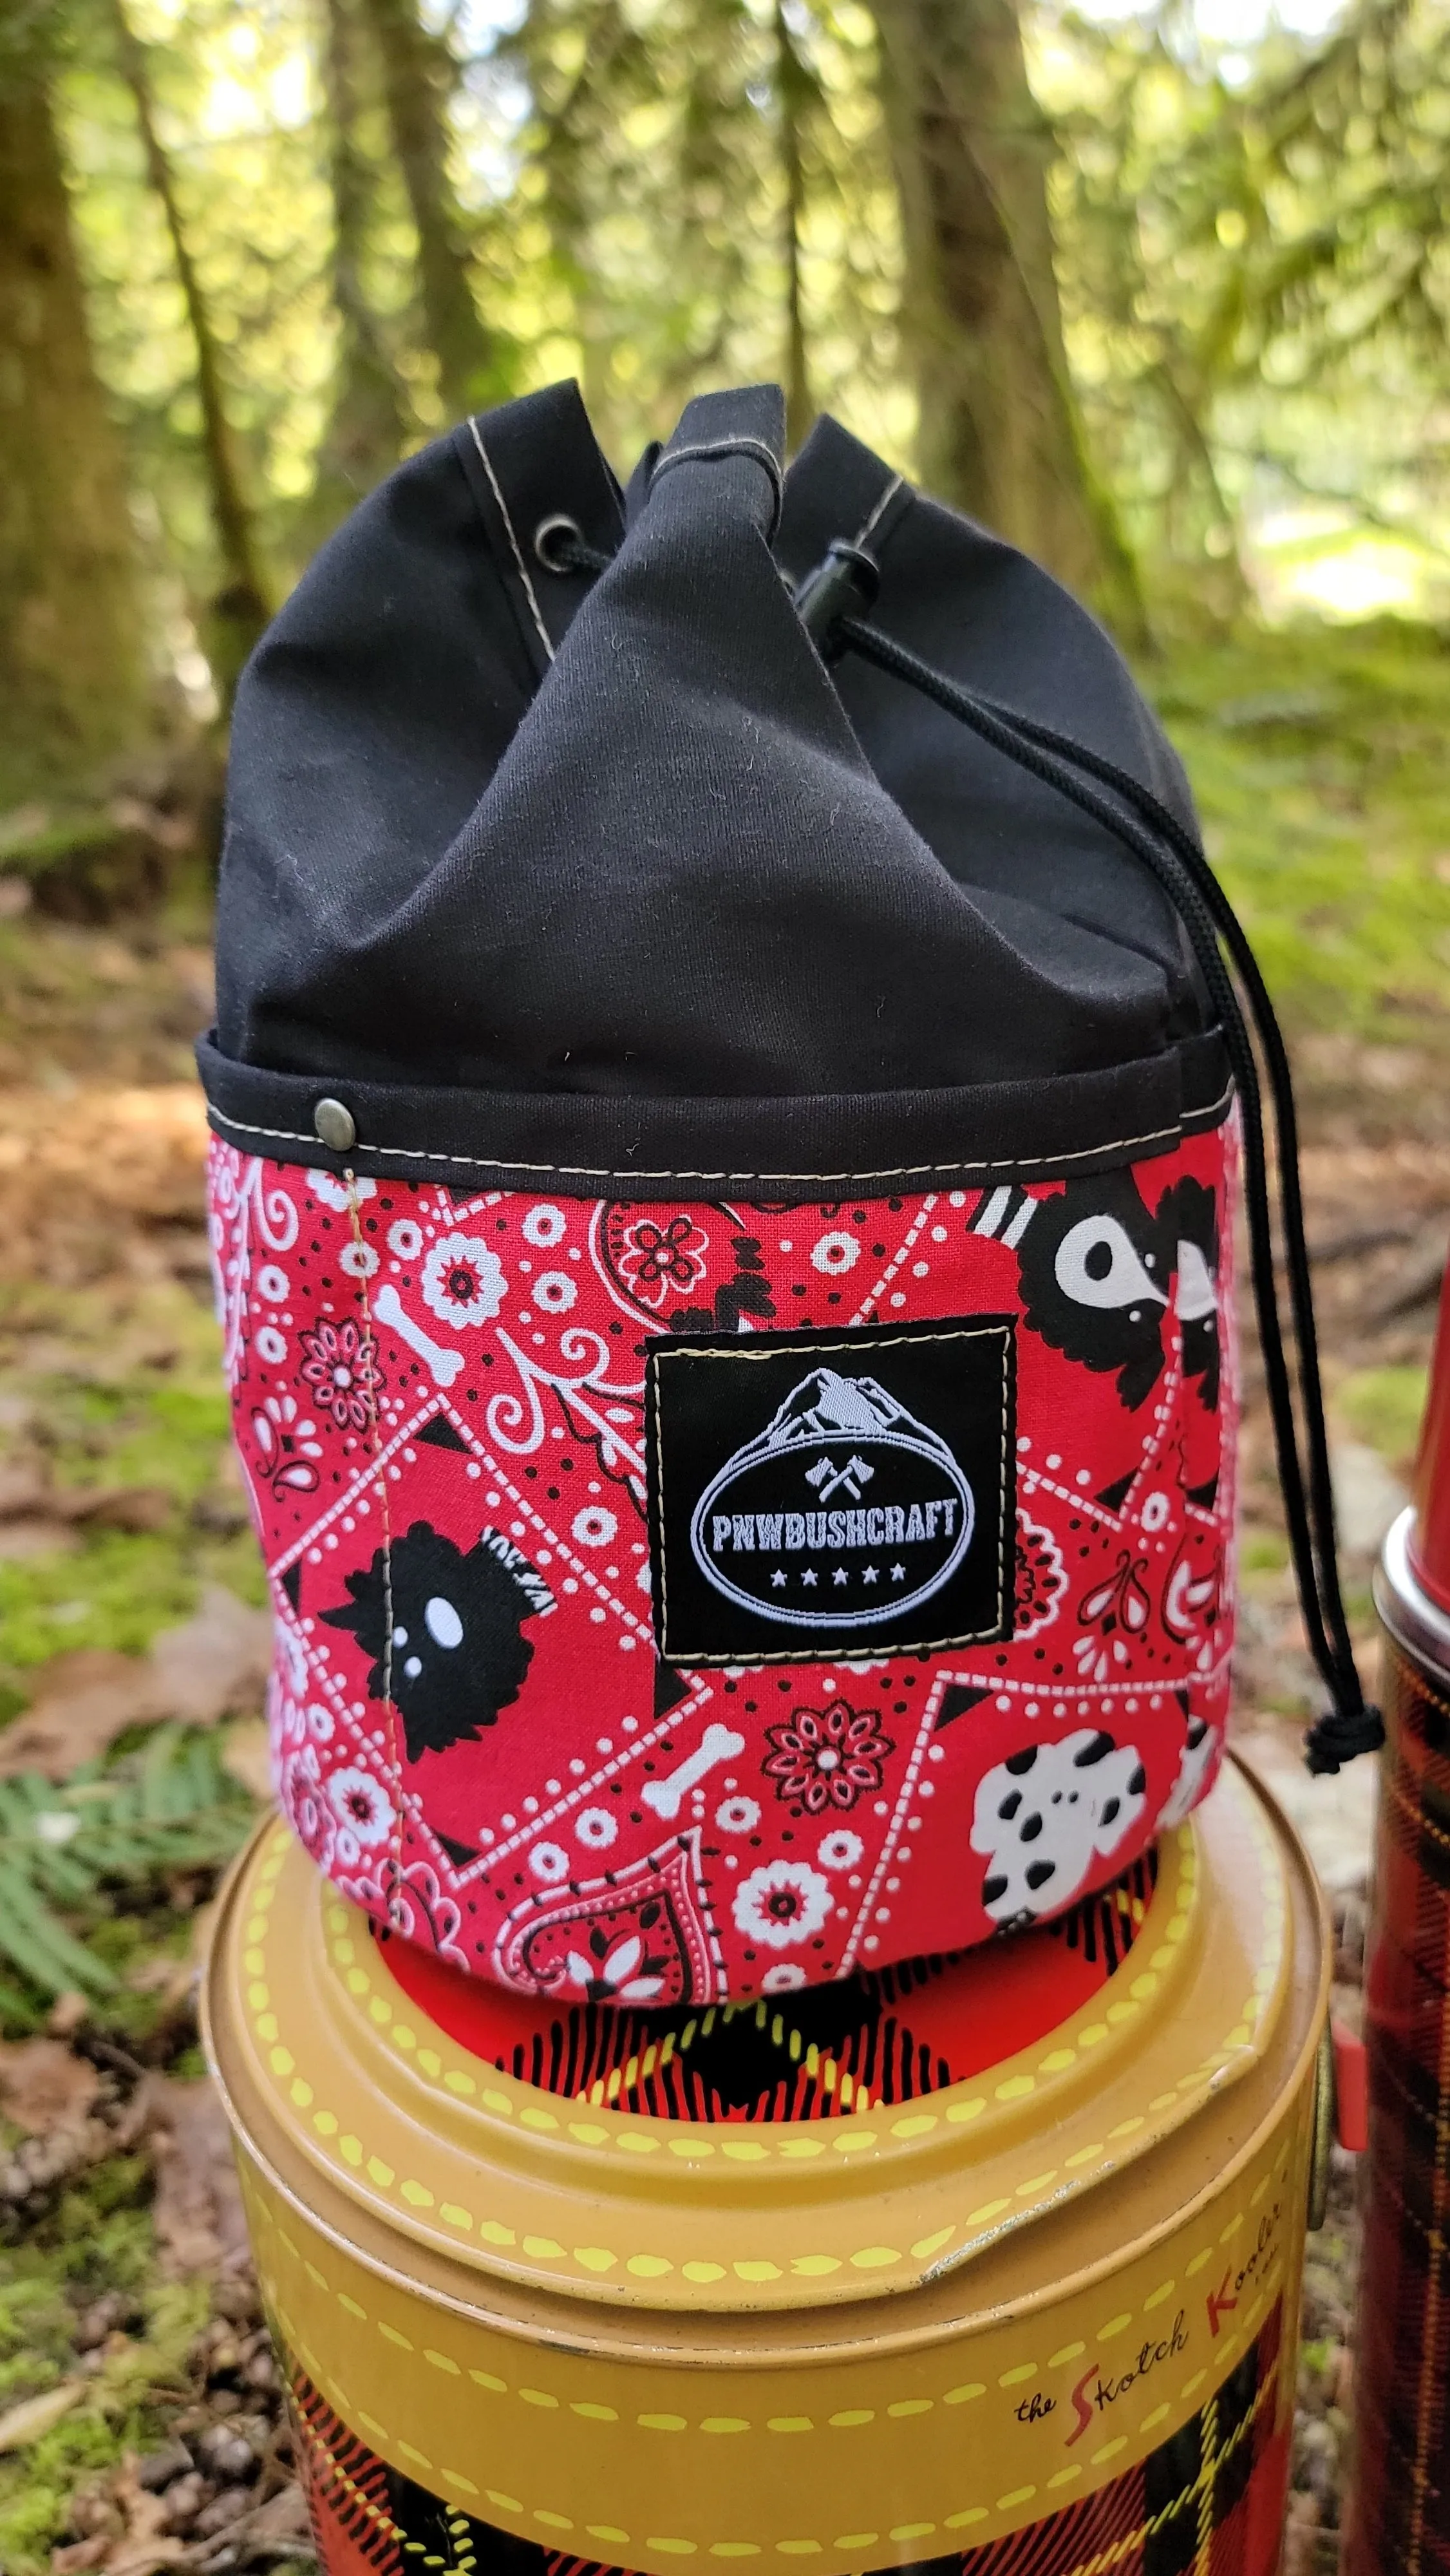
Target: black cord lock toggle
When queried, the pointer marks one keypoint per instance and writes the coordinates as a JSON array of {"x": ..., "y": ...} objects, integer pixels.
[{"x": 842, "y": 586}]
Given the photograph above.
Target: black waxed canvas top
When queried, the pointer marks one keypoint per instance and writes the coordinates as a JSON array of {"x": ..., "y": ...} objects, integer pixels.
[{"x": 610, "y": 877}]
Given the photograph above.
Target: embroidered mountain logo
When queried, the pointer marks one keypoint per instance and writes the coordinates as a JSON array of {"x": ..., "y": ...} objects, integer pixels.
[
  {"x": 774, "y": 1560},
  {"x": 814, "y": 1494}
]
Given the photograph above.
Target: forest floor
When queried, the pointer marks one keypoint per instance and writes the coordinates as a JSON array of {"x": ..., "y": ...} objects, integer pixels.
[{"x": 140, "y": 2424}]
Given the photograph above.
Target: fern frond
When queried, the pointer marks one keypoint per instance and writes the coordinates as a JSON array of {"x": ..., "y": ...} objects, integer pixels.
[{"x": 71, "y": 1850}]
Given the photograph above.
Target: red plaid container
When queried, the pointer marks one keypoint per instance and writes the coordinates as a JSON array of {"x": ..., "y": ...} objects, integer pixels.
[{"x": 1399, "y": 2523}]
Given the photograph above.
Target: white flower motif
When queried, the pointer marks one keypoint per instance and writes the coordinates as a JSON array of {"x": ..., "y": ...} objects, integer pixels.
[
  {"x": 595, "y": 1828},
  {"x": 785, "y": 1978},
  {"x": 319, "y": 1723},
  {"x": 545, "y": 1226},
  {"x": 737, "y": 1816},
  {"x": 346, "y": 1847},
  {"x": 554, "y": 1292},
  {"x": 272, "y": 1283},
  {"x": 405, "y": 1238},
  {"x": 840, "y": 1850},
  {"x": 295, "y": 1790},
  {"x": 782, "y": 1904},
  {"x": 835, "y": 1253},
  {"x": 359, "y": 1260},
  {"x": 291, "y": 1653},
  {"x": 616, "y": 1974},
  {"x": 463, "y": 1281},
  {"x": 362, "y": 1806},
  {"x": 270, "y": 1346},
  {"x": 290, "y": 1719},
  {"x": 335, "y": 1193},
  {"x": 549, "y": 1862},
  {"x": 593, "y": 1527}
]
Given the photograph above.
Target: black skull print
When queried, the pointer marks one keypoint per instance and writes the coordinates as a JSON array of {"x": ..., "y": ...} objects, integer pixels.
[{"x": 445, "y": 1631}]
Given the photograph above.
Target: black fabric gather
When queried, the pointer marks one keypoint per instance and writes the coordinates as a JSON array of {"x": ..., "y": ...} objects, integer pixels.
[
  {"x": 867, "y": 1144},
  {"x": 503, "y": 826}
]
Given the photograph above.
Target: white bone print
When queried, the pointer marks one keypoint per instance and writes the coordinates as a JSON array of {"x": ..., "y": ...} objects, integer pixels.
[
  {"x": 716, "y": 1745},
  {"x": 445, "y": 1365}
]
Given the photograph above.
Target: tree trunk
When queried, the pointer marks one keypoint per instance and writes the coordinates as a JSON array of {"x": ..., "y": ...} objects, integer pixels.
[
  {"x": 239, "y": 612},
  {"x": 368, "y": 419},
  {"x": 73, "y": 680},
  {"x": 793, "y": 93},
  {"x": 1000, "y": 432},
  {"x": 419, "y": 75},
  {"x": 565, "y": 124}
]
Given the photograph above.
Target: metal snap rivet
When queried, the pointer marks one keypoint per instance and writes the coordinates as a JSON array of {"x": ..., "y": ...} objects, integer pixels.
[{"x": 335, "y": 1126}]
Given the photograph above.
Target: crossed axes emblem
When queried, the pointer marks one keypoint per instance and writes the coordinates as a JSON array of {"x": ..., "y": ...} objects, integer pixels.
[{"x": 828, "y": 1478}]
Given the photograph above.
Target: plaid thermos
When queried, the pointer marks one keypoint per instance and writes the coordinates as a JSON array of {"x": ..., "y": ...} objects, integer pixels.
[{"x": 1400, "y": 2512}]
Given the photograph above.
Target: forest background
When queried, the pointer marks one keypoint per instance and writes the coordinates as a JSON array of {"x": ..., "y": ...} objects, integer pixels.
[{"x": 1162, "y": 293}]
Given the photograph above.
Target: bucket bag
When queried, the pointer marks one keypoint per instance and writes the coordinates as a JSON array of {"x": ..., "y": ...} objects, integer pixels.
[{"x": 730, "y": 1093}]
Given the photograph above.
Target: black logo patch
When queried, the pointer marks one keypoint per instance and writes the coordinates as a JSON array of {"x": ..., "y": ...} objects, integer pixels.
[{"x": 814, "y": 1495}]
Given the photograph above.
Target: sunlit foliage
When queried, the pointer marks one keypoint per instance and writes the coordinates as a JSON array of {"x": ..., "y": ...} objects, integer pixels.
[
  {"x": 1255, "y": 256},
  {"x": 663, "y": 195}
]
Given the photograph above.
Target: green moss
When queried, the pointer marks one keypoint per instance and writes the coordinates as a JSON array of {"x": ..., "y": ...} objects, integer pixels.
[
  {"x": 137, "y": 1400},
  {"x": 1383, "y": 1406},
  {"x": 1263, "y": 1551},
  {"x": 116, "y": 1590},
  {"x": 1316, "y": 755},
  {"x": 97, "y": 2237}
]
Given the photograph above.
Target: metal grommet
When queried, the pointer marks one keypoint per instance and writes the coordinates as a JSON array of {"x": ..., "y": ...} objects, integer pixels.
[
  {"x": 334, "y": 1125},
  {"x": 546, "y": 535}
]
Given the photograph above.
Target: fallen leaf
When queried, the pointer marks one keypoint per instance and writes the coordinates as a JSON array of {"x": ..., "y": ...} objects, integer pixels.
[
  {"x": 284, "y": 2516},
  {"x": 214, "y": 1663},
  {"x": 1417, "y": 1278},
  {"x": 29, "y": 1500},
  {"x": 24, "y": 1488},
  {"x": 45, "y": 2088},
  {"x": 25, "y": 2423},
  {"x": 81, "y": 1702},
  {"x": 145, "y": 2545},
  {"x": 161, "y": 1976},
  {"x": 198, "y": 2206},
  {"x": 80, "y": 2556},
  {"x": 1301, "y": 2533},
  {"x": 203, "y": 1924},
  {"x": 247, "y": 1757},
  {"x": 123, "y": 1507},
  {"x": 23, "y": 1539}
]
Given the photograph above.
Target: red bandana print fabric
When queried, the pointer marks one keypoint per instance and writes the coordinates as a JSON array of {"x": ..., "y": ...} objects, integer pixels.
[{"x": 442, "y": 1410}]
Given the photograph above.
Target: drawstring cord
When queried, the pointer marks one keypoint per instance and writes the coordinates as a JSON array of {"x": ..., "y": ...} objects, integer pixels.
[{"x": 829, "y": 601}]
